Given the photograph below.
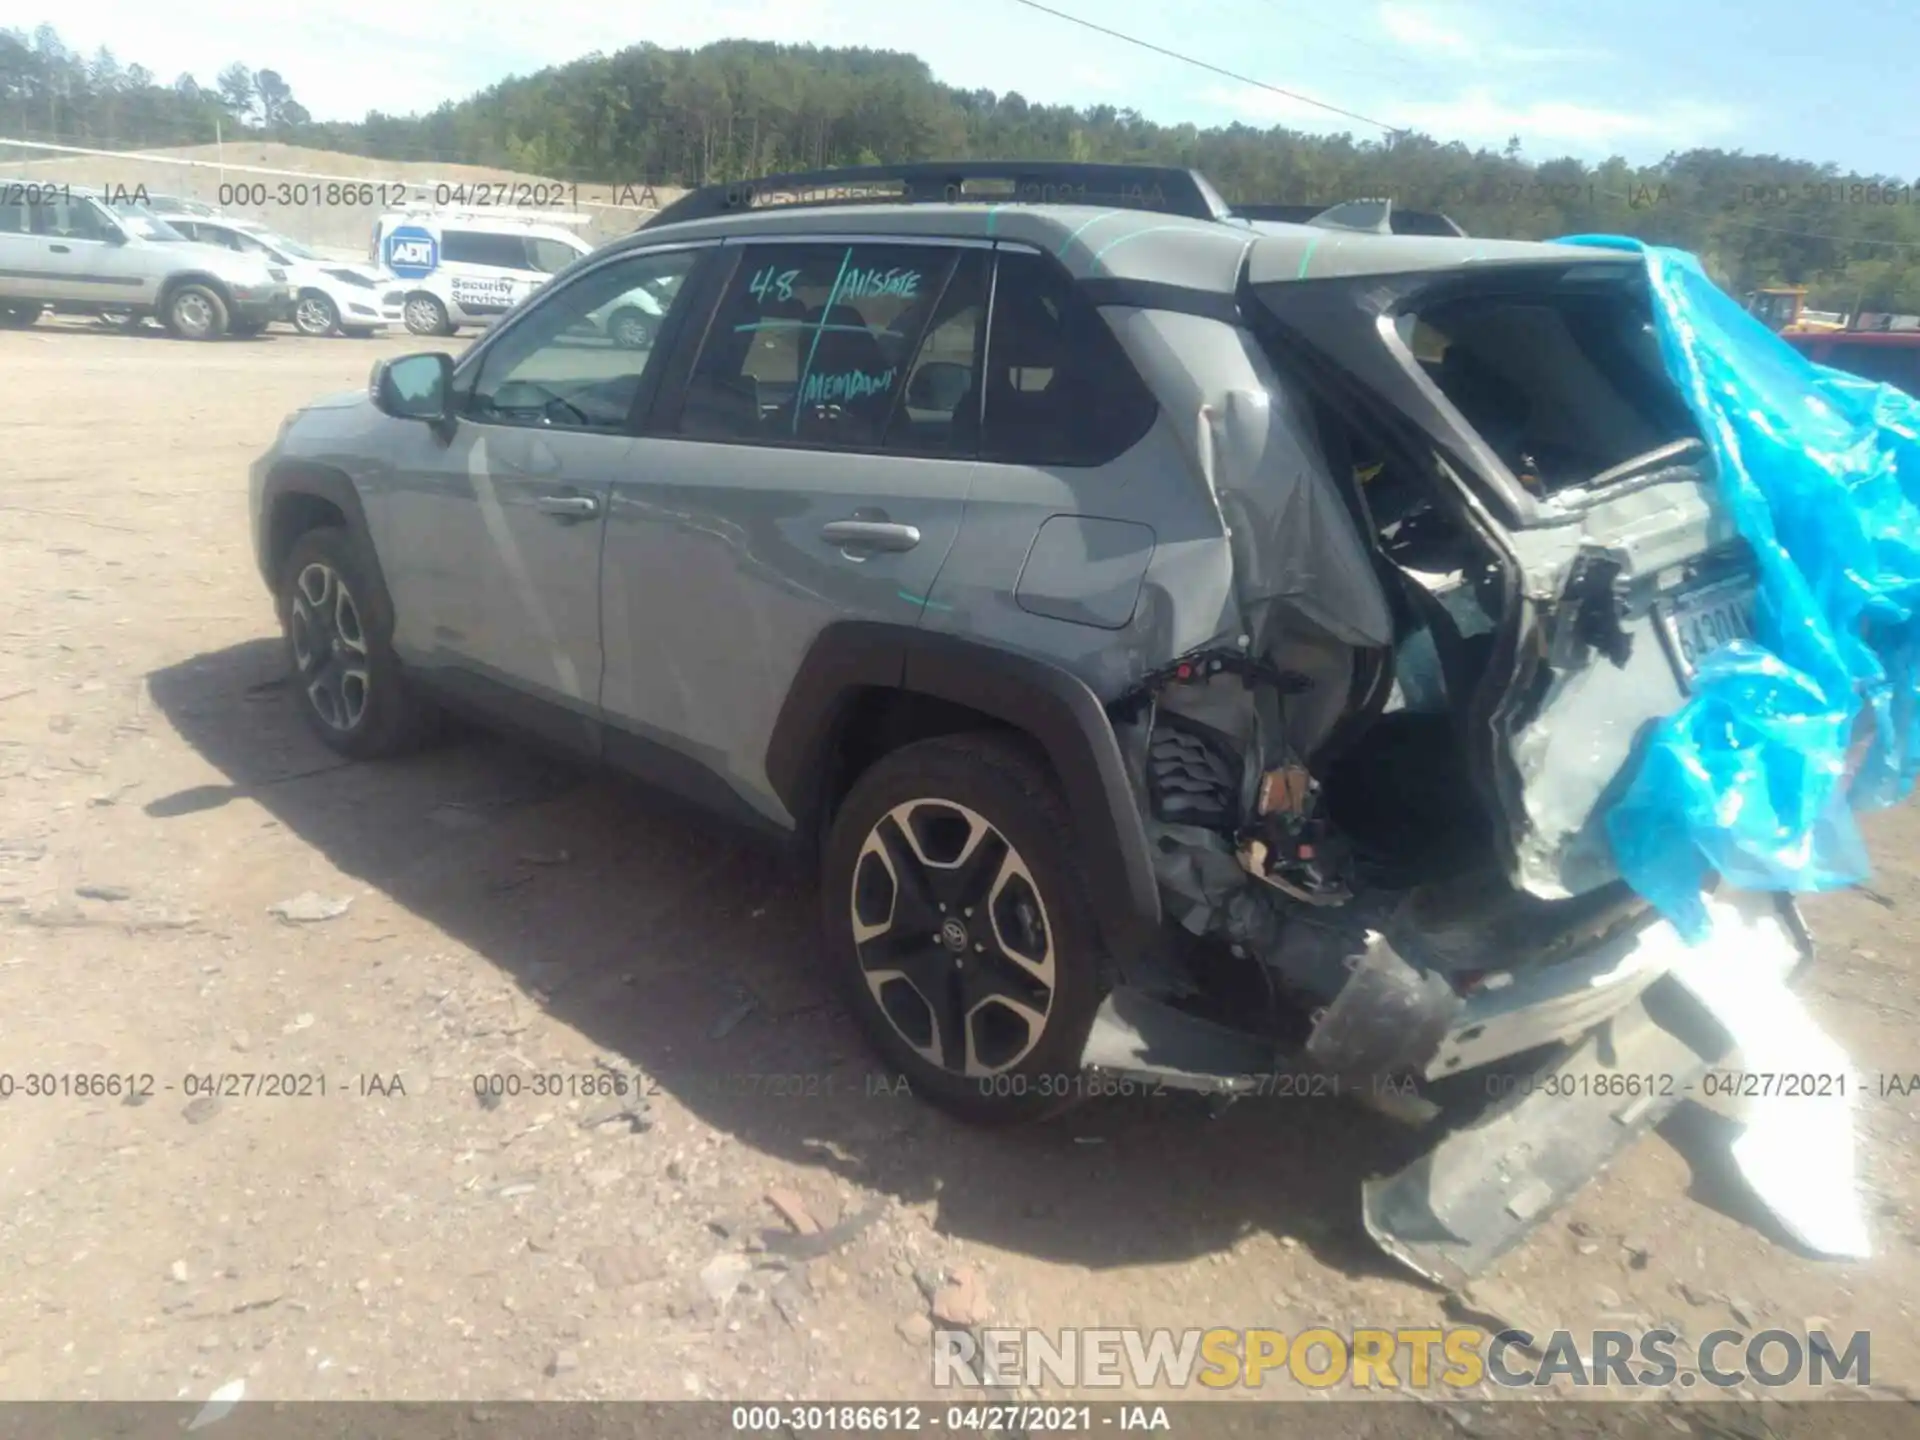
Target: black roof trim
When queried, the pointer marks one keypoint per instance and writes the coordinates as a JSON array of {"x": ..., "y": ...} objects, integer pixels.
[
  {"x": 1159, "y": 295},
  {"x": 1164, "y": 189}
]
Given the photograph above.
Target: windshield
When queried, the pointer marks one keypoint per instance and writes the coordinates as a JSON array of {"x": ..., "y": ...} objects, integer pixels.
[
  {"x": 148, "y": 227},
  {"x": 276, "y": 241}
]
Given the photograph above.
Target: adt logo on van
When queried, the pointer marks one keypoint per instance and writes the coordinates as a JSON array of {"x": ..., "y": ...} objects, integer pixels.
[{"x": 412, "y": 251}]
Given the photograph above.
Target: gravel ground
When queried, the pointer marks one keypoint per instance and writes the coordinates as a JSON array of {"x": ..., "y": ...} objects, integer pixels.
[{"x": 760, "y": 1216}]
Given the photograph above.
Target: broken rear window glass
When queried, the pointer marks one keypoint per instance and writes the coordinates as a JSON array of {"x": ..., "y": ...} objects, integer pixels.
[{"x": 1564, "y": 384}]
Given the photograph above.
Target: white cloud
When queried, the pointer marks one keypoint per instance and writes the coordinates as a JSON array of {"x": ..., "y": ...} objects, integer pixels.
[
  {"x": 1567, "y": 126},
  {"x": 1478, "y": 116},
  {"x": 1423, "y": 27},
  {"x": 1454, "y": 32}
]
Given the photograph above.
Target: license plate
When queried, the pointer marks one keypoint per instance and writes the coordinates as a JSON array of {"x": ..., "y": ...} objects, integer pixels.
[{"x": 1701, "y": 621}]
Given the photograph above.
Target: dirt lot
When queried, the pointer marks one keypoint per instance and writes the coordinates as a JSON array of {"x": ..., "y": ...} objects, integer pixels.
[{"x": 397, "y": 1237}]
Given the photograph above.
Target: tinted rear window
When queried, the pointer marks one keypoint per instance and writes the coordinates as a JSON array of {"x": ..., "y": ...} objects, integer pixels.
[{"x": 1561, "y": 384}]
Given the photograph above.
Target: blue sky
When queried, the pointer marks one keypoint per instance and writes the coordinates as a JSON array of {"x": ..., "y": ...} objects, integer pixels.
[{"x": 1633, "y": 77}]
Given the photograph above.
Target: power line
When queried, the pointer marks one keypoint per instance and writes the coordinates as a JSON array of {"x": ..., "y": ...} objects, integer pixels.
[
  {"x": 1836, "y": 239},
  {"x": 1206, "y": 65}
]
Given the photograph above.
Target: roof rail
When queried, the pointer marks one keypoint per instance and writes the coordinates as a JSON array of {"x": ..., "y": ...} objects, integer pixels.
[
  {"x": 1374, "y": 217},
  {"x": 519, "y": 215},
  {"x": 1165, "y": 189}
]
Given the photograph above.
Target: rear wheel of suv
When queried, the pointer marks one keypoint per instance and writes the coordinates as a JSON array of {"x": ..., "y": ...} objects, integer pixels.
[
  {"x": 196, "y": 312},
  {"x": 18, "y": 316},
  {"x": 347, "y": 682},
  {"x": 959, "y": 927},
  {"x": 425, "y": 315},
  {"x": 314, "y": 314}
]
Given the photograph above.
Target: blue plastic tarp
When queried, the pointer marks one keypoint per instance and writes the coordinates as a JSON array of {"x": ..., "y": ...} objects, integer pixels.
[{"x": 1783, "y": 737}]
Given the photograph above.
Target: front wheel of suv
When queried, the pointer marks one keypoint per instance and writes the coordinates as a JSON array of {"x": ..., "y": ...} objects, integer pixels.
[
  {"x": 347, "y": 682},
  {"x": 196, "y": 312},
  {"x": 959, "y": 928}
]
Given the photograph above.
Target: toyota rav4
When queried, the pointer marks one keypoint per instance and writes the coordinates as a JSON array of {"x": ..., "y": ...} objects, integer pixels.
[{"x": 1198, "y": 650}]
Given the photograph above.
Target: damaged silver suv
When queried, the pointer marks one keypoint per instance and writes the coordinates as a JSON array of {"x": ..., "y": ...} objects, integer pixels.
[{"x": 1199, "y": 649}]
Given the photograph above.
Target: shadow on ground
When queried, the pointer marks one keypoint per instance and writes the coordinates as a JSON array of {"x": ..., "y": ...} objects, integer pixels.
[{"x": 658, "y": 927}]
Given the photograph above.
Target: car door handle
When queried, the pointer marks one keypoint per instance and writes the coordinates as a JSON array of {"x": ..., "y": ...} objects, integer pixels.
[
  {"x": 61, "y": 249},
  {"x": 568, "y": 507},
  {"x": 870, "y": 535}
]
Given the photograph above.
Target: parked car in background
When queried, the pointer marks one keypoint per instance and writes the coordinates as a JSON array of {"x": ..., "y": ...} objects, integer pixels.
[
  {"x": 330, "y": 296},
  {"x": 460, "y": 268},
  {"x": 62, "y": 248}
]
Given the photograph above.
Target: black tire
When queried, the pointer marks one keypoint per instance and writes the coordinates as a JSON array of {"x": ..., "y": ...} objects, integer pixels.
[
  {"x": 426, "y": 315},
  {"x": 324, "y": 653},
  {"x": 1026, "y": 860},
  {"x": 195, "y": 312},
  {"x": 632, "y": 328},
  {"x": 314, "y": 314},
  {"x": 18, "y": 315}
]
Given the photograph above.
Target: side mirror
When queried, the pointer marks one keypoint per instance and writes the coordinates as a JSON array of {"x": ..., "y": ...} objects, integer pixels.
[
  {"x": 414, "y": 387},
  {"x": 114, "y": 235}
]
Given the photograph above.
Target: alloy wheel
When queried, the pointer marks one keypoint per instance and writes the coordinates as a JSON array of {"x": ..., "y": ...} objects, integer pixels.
[
  {"x": 313, "y": 316},
  {"x": 329, "y": 646},
  {"x": 633, "y": 333},
  {"x": 423, "y": 316},
  {"x": 952, "y": 937}
]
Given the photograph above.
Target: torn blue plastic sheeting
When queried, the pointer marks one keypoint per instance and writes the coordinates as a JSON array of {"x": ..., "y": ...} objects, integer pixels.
[{"x": 1821, "y": 473}]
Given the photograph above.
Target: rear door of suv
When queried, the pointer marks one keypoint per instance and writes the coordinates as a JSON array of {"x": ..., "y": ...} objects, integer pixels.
[
  {"x": 808, "y": 461},
  {"x": 1524, "y": 384}
]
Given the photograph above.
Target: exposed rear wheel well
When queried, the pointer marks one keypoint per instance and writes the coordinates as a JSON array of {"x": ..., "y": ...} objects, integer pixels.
[
  {"x": 879, "y": 720},
  {"x": 294, "y": 514}
]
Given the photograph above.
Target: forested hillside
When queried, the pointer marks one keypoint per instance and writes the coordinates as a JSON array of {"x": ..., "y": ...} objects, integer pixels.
[{"x": 739, "y": 108}]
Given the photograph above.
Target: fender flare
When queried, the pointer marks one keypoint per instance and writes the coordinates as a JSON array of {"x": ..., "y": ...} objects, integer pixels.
[
  {"x": 1051, "y": 705},
  {"x": 322, "y": 482}
]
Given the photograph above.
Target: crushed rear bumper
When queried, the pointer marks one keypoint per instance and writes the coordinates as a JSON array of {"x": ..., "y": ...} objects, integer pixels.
[{"x": 1625, "y": 1040}]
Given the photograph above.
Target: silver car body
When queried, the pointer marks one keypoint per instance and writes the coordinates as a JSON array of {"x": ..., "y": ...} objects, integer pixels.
[{"x": 77, "y": 254}]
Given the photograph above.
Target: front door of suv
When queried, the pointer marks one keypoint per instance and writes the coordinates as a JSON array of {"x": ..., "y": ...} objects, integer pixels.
[
  {"x": 490, "y": 535},
  {"x": 83, "y": 252},
  {"x": 803, "y": 465}
]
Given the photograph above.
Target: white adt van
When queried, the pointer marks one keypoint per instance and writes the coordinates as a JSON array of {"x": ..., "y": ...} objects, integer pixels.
[{"x": 470, "y": 268}]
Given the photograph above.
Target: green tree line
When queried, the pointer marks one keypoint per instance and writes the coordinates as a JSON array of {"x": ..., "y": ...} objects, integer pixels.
[
  {"x": 52, "y": 93},
  {"x": 740, "y": 108}
]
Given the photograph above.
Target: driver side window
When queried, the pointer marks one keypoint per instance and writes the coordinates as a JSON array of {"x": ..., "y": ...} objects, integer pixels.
[
  {"x": 576, "y": 359},
  {"x": 68, "y": 218}
]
